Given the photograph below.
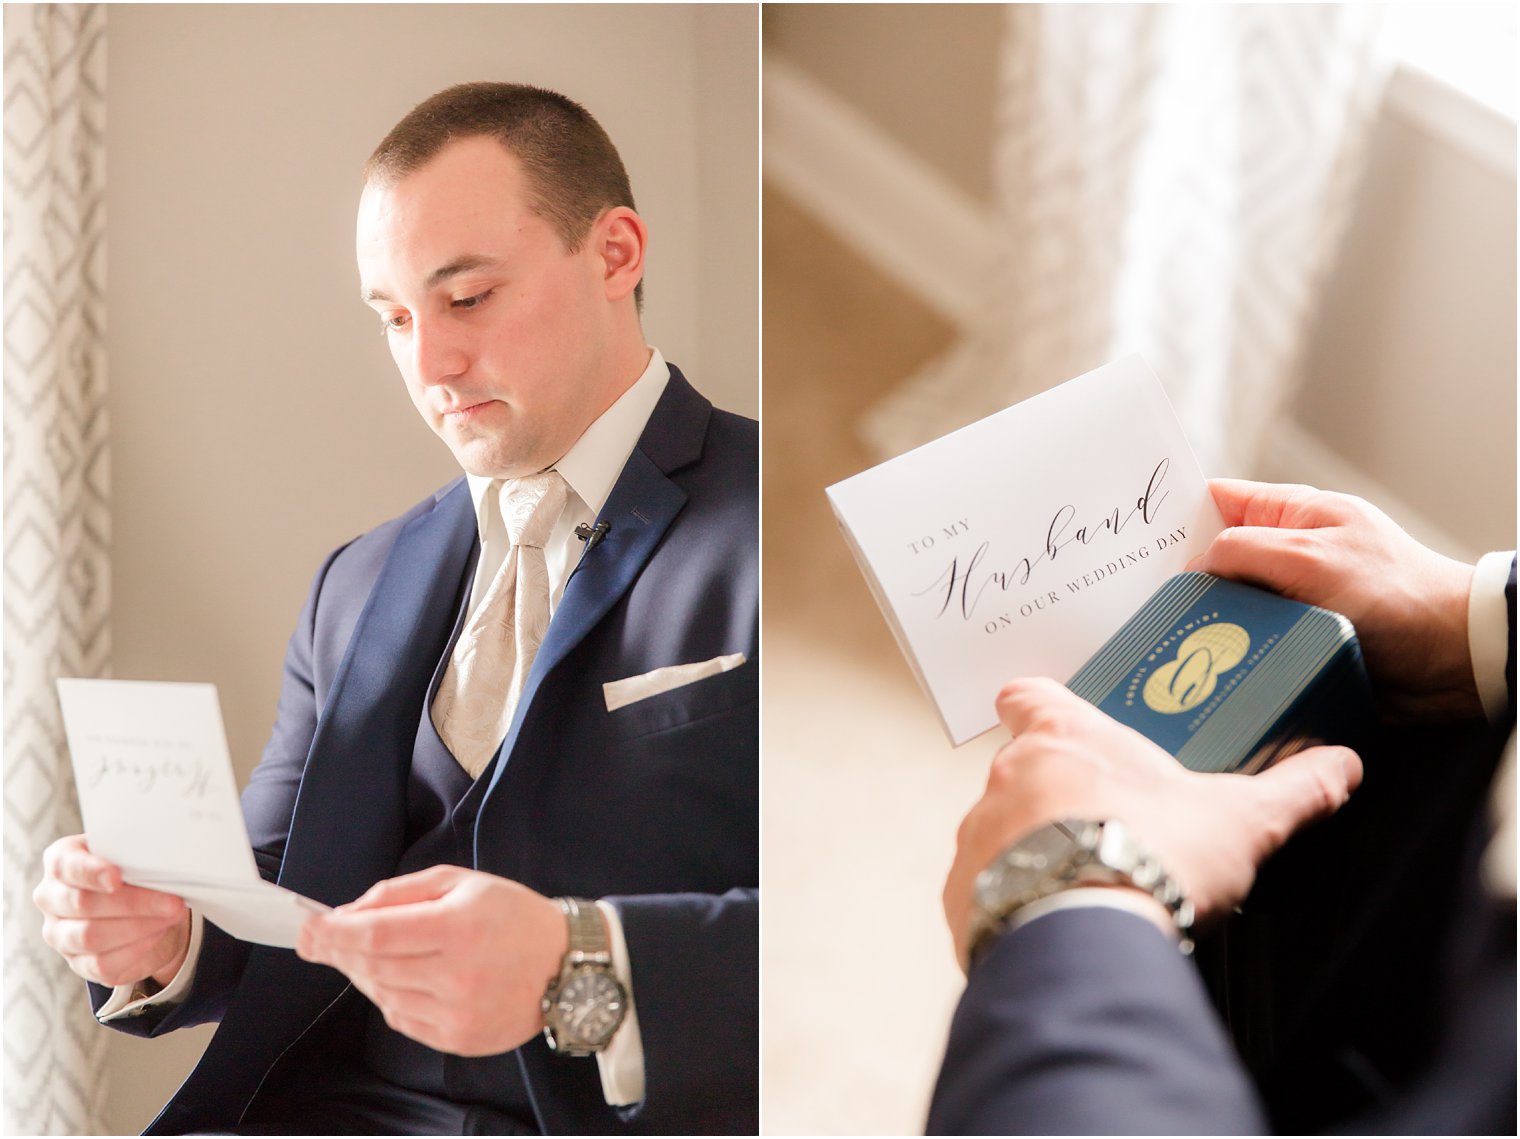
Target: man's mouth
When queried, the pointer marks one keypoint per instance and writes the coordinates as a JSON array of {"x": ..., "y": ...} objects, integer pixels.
[{"x": 465, "y": 412}]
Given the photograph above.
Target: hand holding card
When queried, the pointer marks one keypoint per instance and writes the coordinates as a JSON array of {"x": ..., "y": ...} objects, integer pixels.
[
  {"x": 1015, "y": 546},
  {"x": 158, "y": 798}
]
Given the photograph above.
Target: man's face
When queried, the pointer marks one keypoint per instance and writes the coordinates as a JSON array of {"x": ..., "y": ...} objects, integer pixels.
[{"x": 501, "y": 335}]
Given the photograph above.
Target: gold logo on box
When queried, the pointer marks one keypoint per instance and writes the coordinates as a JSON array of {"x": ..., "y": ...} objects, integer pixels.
[{"x": 1189, "y": 680}]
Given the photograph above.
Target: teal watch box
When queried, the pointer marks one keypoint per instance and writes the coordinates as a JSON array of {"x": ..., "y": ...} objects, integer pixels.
[{"x": 1228, "y": 677}]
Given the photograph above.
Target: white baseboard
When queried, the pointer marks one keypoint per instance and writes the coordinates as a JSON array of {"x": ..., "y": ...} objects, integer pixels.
[{"x": 874, "y": 195}]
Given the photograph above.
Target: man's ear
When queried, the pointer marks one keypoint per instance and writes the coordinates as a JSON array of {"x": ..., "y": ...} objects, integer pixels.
[{"x": 620, "y": 238}]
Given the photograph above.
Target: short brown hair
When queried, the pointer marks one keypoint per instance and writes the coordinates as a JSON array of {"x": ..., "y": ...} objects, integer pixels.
[{"x": 573, "y": 171}]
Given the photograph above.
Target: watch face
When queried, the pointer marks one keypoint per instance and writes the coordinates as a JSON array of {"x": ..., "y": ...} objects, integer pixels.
[
  {"x": 589, "y": 1007},
  {"x": 1023, "y": 867}
]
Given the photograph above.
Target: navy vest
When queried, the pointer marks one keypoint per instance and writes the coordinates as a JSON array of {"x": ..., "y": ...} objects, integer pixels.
[{"x": 442, "y": 805}]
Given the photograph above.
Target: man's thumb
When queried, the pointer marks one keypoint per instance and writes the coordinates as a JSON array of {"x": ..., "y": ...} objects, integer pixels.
[{"x": 1305, "y": 786}]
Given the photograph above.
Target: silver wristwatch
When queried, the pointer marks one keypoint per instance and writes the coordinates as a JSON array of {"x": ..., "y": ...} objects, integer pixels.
[
  {"x": 585, "y": 1004},
  {"x": 1064, "y": 855}
]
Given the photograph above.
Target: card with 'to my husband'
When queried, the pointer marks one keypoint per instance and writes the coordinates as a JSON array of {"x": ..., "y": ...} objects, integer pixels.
[
  {"x": 159, "y": 800},
  {"x": 1017, "y": 545}
]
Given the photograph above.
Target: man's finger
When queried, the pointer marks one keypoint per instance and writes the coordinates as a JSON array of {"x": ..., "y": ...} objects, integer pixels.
[
  {"x": 419, "y": 886},
  {"x": 395, "y": 930},
  {"x": 59, "y": 900},
  {"x": 121, "y": 964},
  {"x": 71, "y": 862},
  {"x": 1029, "y": 702},
  {"x": 1245, "y": 503},
  {"x": 137, "y": 901},
  {"x": 415, "y": 1014},
  {"x": 1240, "y": 553},
  {"x": 417, "y": 976},
  {"x": 1309, "y": 785},
  {"x": 72, "y": 937},
  {"x": 1279, "y": 560}
]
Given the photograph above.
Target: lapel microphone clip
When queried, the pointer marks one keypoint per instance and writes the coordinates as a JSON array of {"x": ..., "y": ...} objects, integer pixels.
[{"x": 591, "y": 535}]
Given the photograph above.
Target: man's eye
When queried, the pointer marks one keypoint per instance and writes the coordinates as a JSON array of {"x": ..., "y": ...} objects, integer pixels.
[
  {"x": 474, "y": 302},
  {"x": 392, "y": 322}
]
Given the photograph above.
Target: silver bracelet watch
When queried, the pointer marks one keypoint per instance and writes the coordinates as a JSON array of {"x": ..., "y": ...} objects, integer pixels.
[
  {"x": 1062, "y": 856},
  {"x": 586, "y": 1003}
]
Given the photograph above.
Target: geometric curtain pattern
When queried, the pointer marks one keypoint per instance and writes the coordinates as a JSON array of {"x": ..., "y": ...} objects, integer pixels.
[
  {"x": 1171, "y": 180},
  {"x": 57, "y": 525}
]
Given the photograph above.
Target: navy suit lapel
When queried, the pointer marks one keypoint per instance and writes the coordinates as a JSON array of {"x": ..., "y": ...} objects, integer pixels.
[
  {"x": 643, "y": 503},
  {"x": 350, "y": 819},
  {"x": 640, "y": 509}
]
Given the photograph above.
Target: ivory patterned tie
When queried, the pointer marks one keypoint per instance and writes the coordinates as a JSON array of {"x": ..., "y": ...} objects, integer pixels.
[{"x": 480, "y": 690}]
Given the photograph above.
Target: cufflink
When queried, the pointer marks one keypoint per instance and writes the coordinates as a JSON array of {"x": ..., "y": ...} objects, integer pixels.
[{"x": 145, "y": 989}]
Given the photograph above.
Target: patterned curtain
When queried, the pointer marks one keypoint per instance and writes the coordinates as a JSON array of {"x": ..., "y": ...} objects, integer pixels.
[
  {"x": 1171, "y": 180},
  {"x": 57, "y": 583}
]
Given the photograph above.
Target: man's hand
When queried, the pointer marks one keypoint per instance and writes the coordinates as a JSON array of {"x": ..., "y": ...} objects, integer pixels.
[
  {"x": 456, "y": 959},
  {"x": 108, "y": 932},
  {"x": 1408, "y": 603},
  {"x": 1069, "y": 760}
]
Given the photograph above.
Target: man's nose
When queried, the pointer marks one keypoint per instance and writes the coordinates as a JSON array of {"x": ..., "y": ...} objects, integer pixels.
[{"x": 439, "y": 353}]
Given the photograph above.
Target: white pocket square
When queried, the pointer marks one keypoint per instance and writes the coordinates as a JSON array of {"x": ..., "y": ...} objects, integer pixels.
[{"x": 631, "y": 690}]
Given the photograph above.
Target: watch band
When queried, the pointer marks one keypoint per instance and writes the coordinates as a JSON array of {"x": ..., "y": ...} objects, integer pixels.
[
  {"x": 1098, "y": 852},
  {"x": 1131, "y": 863},
  {"x": 588, "y": 933}
]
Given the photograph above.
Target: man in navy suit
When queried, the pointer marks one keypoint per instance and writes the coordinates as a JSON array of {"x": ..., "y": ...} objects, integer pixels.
[
  {"x": 595, "y": 874},
  {"x": 1081, "y": 1016}
]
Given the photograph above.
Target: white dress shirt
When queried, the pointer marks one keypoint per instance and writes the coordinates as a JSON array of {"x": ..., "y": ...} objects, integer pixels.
[
  {"x": 590, "y": 468},
  {"x": 1488, "y": 631}
]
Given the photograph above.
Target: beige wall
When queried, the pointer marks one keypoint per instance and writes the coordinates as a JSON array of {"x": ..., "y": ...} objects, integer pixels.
[
  {"x": 257, "y": 419},
  {"x": 924, "y": 73},
  {"x": 1411, "y": 368}
]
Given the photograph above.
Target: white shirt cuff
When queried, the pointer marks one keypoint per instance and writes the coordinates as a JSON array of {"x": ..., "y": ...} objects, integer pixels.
[
  {"x": 1087, "y": 897},
  {"x": 1488, "y": 631},
  {"x": 621, "y": 1063},
  {"x": 121, "y": 1005}
]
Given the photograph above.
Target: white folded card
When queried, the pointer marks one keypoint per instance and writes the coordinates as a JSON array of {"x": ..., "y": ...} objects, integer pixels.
[
  {"x": 159, "y": 800},
  {"x": 1017, "y": 545},
  {"x": 632, "y": 689}
]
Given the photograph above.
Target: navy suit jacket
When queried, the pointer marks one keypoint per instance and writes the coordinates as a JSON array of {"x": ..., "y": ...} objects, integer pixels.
[
  {"x": 1088, "y": 1021},
  {"x": 653, "y": 806}
]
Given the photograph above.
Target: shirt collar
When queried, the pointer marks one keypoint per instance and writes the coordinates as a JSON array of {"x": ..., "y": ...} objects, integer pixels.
[{"x": 593, "y": 464}]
